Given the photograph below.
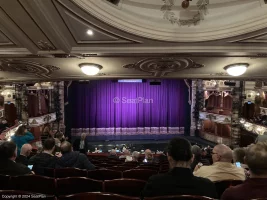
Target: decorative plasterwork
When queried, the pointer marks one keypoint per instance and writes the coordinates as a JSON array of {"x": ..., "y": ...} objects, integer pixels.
[
  {"x": 215, "y": 85},
  {"x": 27, "y": 67},
  {"x": 254, "y": 128},
  {"x": 46, "y": 46},
  {"x": 220, "y": 119},
  {"x": 38, "y": 121},
  {"x": 126, "y": 18},
  {"x": 169, "y": 14},
  {"x": 263, "y": 111},
  {"x": 162, "y": 66},
  {"x": 216, "y": 139}
]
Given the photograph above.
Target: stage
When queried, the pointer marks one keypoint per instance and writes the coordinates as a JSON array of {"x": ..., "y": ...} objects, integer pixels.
[{"x": 158, "y": 143}]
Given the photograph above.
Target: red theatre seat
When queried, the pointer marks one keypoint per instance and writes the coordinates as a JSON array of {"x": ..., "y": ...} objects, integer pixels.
[
  {"x": 104, "y": 174},
  {"x": 221, "y": 186},
  {"x": 180, "y": 197},
  {"x": 128, "y": 187},
  {"x": 4, "y": 182},
  {"x": 7, "y": 194},
  {"x": 70, "y": 172},
  {"x": 142, "y": 174},
  {"x": 73, "y": 185},
  {"x": 97, "y": 196},
  {"x": 33, "y": 183},
  {"x": 120, "y": 168}
]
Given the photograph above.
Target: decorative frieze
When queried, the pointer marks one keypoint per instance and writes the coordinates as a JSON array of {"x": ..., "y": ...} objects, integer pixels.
[
  {"x": 38, "y": 121},
  {"x": 220, "y": 119}
]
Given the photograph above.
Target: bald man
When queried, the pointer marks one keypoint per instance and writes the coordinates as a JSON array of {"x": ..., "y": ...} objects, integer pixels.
[
  {"x": 25, "y": 152},
  {"x": 222, "y": 167},
  {"x": 73, "y": 159}
]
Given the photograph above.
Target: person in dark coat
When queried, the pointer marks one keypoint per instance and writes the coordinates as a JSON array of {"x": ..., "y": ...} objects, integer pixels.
[
  {"x": 180, "y": 179},
  {"x": 81, "y": 144},
  {"x": 8, "y": 166},
  {"x": 45, "y": 159},
  {"x": 25, "y": 152},
  {"x": 72, "y": 158}
]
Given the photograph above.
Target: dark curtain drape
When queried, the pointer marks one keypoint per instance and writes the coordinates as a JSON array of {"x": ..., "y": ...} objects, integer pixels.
[{"x": 106, "y": 103}]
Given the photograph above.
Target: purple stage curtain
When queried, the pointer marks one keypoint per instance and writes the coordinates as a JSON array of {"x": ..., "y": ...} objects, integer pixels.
[{"x": 106, "y": 103}]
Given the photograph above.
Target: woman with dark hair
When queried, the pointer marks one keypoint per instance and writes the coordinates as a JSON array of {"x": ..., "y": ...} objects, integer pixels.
[
  {"x": 47, "y": 133},
  {"x": 21, "y": 137}
]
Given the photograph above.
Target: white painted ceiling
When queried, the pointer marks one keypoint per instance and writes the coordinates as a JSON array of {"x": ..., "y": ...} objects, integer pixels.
[{"x": 46, "y": 39}]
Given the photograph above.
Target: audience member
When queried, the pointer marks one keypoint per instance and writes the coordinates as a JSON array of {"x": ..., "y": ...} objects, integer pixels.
[
  {"x": 8, "y": 166},
  {"x": 72, "y": 158},
  {"x": 125, "y": 153},
  {"x": 239, "y": 156},
  {"x": 81, "y": 144},
  {"x": 21, "y": 137},
  {"x": 256, "y": 186},
  {"x": 59, "y": 135},
  {"x": 57, "y": 146},
  {"x": 45, "y": 159},
  {"x": 179, "y": 180},
  {"x": 196, "y": 150},
  {"x": 135, "y": 156},
  {"x": 148, "y": 156},
  {"x": 47, "y": 133},
  {"x": 25, "y": 152},
  {"x": 113, "y": 154},
  {"x": 222, "y": 167},
  {"x": 3, "y": 125}
]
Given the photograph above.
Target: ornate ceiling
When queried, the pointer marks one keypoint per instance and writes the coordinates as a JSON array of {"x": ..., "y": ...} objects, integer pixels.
[{"x": 47, "y": 40}]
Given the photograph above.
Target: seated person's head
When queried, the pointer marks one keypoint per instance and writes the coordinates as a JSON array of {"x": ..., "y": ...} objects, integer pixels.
[
  {"x": 26, "y": 150},
  {"x": 135, "y": 155},
  {"x": 49, "y": 145},
  {"x": 179, "y": 153},
  {"x": 126, "y": 152},
  {"x": 8, "y": 150},
  {"x": 222, "y": 153},
  {"x": 196, "y": 150},
  {"x": 59, "y": 135},
  {"x": 83, "y": 136},
  {"x": 256, "y": 159},
  {"x": 65, "y": 147},
  {"x": 113, "y": 152},
  {"x": 148, "y": 154},
  {"x": 239, "y": 155}
]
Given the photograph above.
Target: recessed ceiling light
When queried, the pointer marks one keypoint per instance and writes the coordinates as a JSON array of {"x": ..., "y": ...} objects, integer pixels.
[
  {"x": 90, "y": 68},
  {"x": 90, "y": 32},
  {"x": 236, "y": 69}
]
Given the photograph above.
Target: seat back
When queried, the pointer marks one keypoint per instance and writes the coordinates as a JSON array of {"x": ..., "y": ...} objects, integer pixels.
[
  {"x": 221, "y": 186},
  {"x": 128, "y": 187},
  {"x": 24, "y": 195},
  {"x": 4, "y": 182},
  {"x": 73, "y": 185},
  {"x": 104, "y": 174},
  {"x": 142, "y": 174},
  {"x": 70, "y": 172},
  {"x": 120, "y": 168},
  {"x": 180, "y": 197},
  {"x": 33, "y": 183},
  {"x": 49, "y": 172},
  {"x": 96, "y": 196}
]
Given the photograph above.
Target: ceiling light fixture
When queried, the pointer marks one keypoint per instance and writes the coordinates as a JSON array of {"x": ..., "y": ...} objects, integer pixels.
[
  {"x": 90, "y": 32},
  {"x": 90, "y": 69},
  {"x": 185, "y": 4},
  {"x": 236, "y": 69}
]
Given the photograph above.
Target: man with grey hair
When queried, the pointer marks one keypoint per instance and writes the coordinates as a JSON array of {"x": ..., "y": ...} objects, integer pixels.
[
  {"x": 113, "y": 154},
  {"x": 222, "y": 167},
  {"x": 256, "y": 186},
  {"x": 81, "y": 144}
]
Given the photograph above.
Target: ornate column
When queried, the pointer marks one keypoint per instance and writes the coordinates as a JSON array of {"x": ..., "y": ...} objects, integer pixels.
[
  {"x": 196, "y": 106},
  {"x": 236, "y": 111}
]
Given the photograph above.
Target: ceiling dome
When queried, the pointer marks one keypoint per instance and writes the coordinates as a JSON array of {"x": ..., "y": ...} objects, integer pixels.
[{"x": 161, "y": 20}]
